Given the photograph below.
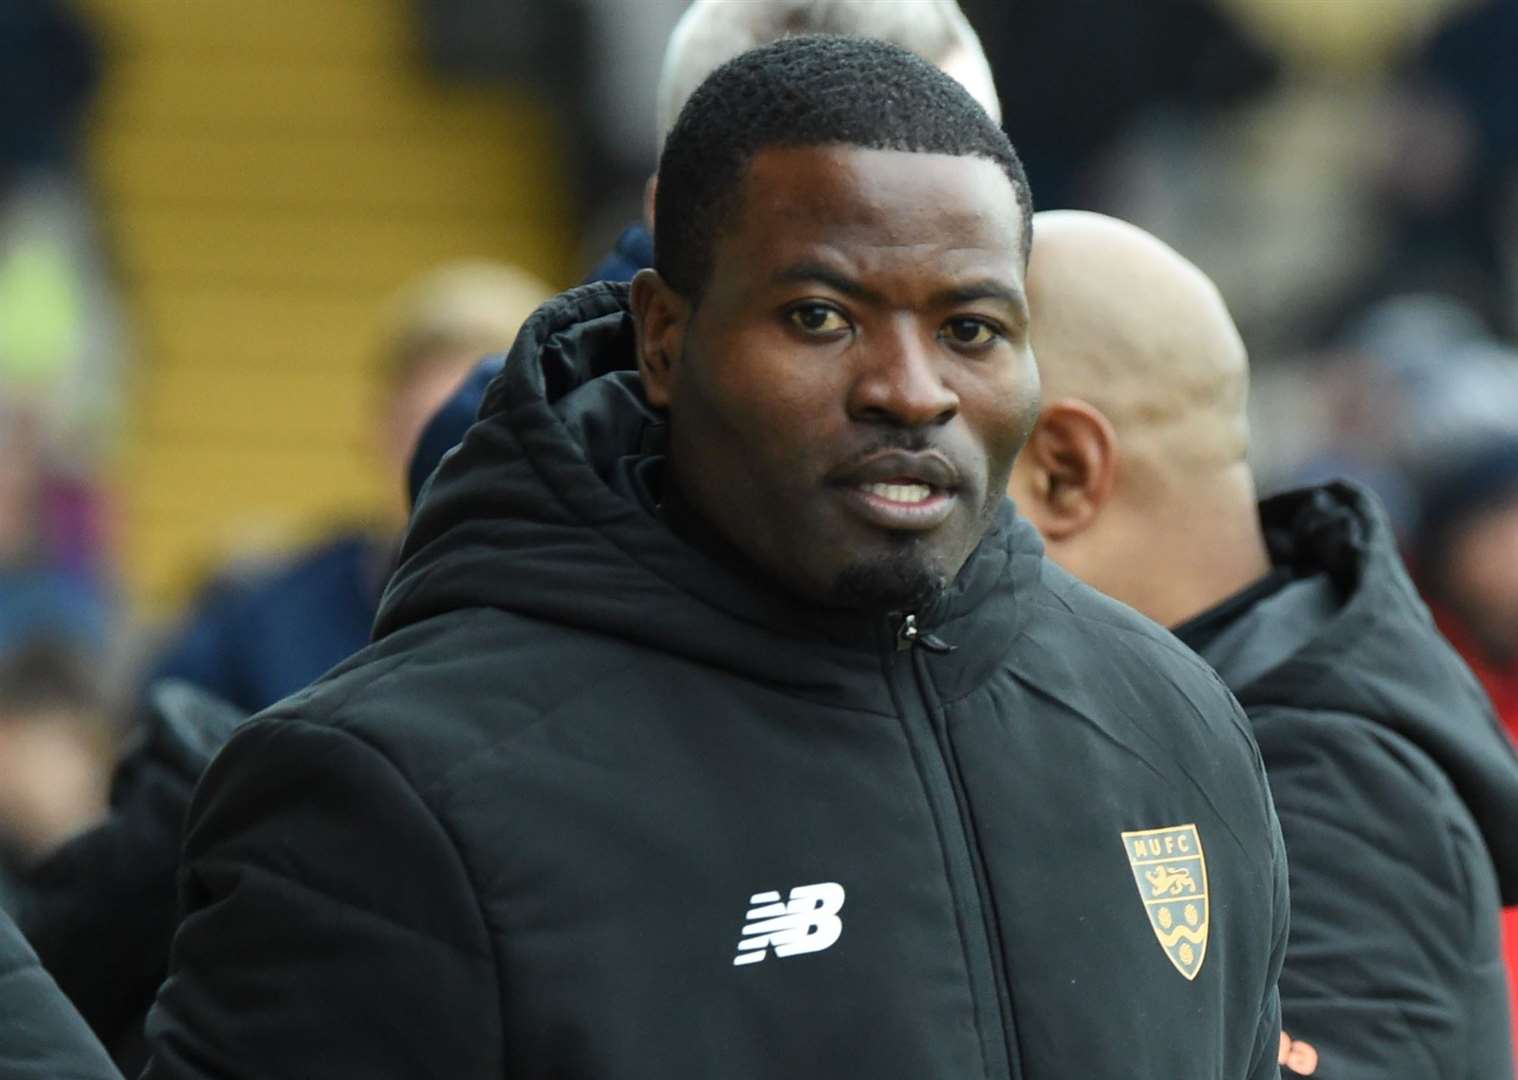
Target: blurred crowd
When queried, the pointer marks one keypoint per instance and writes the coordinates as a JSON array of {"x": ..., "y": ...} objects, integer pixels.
[
  {"x": 58, "y": 394},
  {"x": 1359, "y": 208},
  {"x": 1357, "y": 204}
]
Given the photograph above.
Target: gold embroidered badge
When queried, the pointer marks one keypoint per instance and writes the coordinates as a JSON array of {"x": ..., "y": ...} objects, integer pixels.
[{"x": 1170, "y": 871}]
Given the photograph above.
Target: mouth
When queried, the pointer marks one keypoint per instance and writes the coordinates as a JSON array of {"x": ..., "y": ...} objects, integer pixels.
[
  {"x": 902, "y": 491},
  {"x": 901, "y": 504}
]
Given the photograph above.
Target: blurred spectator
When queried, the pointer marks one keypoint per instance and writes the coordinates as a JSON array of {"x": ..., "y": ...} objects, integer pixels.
[
  {"x": 1465, "y": 552},
  {"x": 1106, "y": 64},
  {"x": 56, "y": 749},
  {"x": 60, "y": 338},
  {"x": 257, "y": 635},
  {"x": 55, "y": 741}
]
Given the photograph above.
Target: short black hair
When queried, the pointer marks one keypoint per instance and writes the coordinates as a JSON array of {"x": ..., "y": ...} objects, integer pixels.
[
  {"x": 48, "y": 673},
  {"x": 812, "y": 90}
]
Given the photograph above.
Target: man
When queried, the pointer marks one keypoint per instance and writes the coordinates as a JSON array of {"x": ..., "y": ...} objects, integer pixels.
[
  {"x": 1395, "y": 789},
  {"x": 721, "y": 719},
  {"x": 712, "y": 32}
]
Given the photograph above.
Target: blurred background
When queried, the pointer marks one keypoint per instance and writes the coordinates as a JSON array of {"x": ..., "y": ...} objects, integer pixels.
[{"x": 246, "y": 248}]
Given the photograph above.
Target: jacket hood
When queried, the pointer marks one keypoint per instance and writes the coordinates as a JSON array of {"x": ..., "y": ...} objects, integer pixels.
[
  {"x": 532, "y": 514},
  {"x": 634, "y": 250},
  {"x": 1380, "y": 657}
]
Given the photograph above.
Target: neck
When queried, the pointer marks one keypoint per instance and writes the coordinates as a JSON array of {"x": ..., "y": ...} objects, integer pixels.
[{"x": 1193, "y": 551}]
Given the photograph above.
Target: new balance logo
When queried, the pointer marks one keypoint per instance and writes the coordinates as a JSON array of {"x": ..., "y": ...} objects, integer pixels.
[{"x": 807, "y": 922}]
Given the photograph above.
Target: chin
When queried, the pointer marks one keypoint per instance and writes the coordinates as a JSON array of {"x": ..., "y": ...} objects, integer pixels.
[{"x": 903, "y": 581}]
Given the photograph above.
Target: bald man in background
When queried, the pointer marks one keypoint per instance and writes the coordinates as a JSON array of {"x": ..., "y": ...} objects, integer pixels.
[{"x": 1396, "y": 792}]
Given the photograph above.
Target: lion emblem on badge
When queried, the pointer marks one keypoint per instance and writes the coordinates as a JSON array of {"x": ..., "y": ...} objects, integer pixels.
[{"x": 1170, "y": 879}]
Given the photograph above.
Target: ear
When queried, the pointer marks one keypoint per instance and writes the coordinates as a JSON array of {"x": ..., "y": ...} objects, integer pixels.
[
  {"x": 650, "y": 191},
  {"x": 1065, "y": 474},
  {"x": 660, "y": 315}
]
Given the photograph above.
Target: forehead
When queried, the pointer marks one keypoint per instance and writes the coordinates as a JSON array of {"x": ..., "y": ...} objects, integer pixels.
[{"x": 925, "y": 212}]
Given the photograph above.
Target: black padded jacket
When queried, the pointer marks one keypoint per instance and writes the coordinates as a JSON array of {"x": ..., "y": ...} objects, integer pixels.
[
  {"x": 594, "y": 804},
  {"x": 1397, "y": 793}
]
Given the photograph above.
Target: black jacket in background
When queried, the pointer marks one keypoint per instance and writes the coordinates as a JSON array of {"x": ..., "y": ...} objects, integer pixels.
[
  {"x": 100, "y": 911},
  {"x": 523, "y": 833},
  {"x": 1397, "y": 793},
  {"x": 41, "y": 1036}
]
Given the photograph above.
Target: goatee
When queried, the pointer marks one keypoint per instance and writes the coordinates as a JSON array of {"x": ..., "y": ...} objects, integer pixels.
[{"x": 902, "y": 581}]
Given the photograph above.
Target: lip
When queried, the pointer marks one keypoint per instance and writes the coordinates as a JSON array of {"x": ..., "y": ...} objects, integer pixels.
[
  {"x": 924, "y": 467},
  {"x": 896, "y": 516},
  {"x": 904, "y": 467}
]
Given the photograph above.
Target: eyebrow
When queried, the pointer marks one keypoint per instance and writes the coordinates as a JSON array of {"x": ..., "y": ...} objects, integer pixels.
[
  {"x": 984, "y": 289},
  {"x": 802, "y": 273},
  {"x": 988, "y": 289},
  {"x": 966, "y": 293}
]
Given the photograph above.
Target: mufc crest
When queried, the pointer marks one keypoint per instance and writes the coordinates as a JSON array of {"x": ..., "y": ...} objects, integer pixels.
[{"x": 1170, "y": 871}]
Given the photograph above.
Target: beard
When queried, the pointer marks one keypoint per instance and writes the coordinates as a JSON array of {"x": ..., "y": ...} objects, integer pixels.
[{"x": 903, "y": 580}]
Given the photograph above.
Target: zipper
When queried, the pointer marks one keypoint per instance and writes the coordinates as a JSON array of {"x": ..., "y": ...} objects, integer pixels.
[{"x": 927, "y": 734}]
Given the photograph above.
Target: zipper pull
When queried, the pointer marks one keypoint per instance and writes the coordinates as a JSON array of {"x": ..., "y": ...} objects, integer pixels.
[
  {"x": 935, "y": 644},
  {"x": 909, "y": 634}
]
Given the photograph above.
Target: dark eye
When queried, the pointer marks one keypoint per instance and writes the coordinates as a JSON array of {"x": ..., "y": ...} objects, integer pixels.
[
  {"x": 968, "y": 331},
  {"x": 817, "y": 319}
]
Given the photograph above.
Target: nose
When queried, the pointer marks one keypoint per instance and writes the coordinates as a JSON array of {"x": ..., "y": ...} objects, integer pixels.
[{"x": 899, "y": 380}]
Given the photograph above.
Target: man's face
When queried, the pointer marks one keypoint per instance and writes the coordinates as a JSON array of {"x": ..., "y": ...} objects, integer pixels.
[{"x": 846, "y": 399}]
